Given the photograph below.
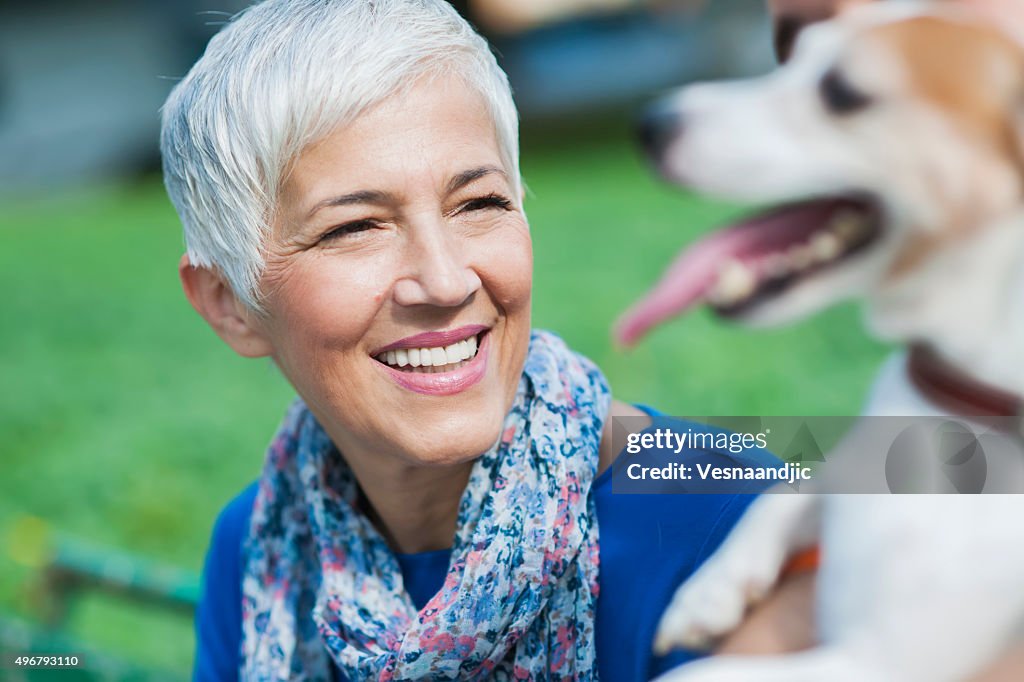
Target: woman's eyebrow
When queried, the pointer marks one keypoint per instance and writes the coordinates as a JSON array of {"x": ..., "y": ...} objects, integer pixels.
[
  {"x": 366, "y": 196},
  {"x": 468, "y": 176},
  {"x": 372, "y": 196}
]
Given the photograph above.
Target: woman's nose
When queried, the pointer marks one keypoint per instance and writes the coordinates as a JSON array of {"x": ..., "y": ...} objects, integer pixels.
[{"x": 439, "y": 273}]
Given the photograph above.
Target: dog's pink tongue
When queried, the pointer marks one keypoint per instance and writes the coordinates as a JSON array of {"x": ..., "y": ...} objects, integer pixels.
[
  {"x": 696, "y": 268},
  {"x": 683, "y": 284}
]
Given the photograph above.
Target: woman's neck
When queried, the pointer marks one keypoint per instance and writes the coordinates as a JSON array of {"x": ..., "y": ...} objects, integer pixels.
[{"x": 414, "y": 508}]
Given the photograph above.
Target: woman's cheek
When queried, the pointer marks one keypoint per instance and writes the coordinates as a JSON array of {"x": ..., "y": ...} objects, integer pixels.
[
  {"x": 326, "y": 303},
  {"x": 508, "y": 273}
]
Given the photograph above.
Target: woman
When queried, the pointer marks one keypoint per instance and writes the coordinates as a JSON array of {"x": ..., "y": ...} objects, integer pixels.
[{"x": 436, "y": 505}]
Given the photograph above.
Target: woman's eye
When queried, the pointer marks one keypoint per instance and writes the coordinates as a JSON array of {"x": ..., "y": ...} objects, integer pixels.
[
  {"x": 348, "y": 229},
  {"x": 482, "y": 203}
]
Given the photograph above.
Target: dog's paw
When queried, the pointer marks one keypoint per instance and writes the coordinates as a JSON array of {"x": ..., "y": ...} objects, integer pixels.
[
  {"x": 702, "y": 611},
  {"x": 713, "y": 602}
]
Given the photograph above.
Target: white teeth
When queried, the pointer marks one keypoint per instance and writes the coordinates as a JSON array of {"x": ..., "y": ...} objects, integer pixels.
[
  {"x": 735, "y": 281},
  {"x": 847, "y": 226},
  {"x": 826, "y": 246},
  {"x": 453, "y": 353},
  {"x": 432, "y": 360}
]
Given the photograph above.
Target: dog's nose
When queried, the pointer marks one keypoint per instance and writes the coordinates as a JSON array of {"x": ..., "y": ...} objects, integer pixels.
[{"x": 659, "y": 125}]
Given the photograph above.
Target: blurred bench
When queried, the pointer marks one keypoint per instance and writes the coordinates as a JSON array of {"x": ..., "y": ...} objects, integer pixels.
[
  {"x": 63, "y": 571},
  {"x": 75, "y": 568},
  {"x": 18, "y": 637}
]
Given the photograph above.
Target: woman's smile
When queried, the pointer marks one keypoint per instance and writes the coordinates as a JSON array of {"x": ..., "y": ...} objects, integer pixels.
[{"x": 437, "y": 363}]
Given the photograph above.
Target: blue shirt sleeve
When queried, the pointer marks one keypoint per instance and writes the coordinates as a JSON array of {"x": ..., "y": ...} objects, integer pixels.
[
  {"x": 690, "y": 528},
  {"x": 730, "y": 514},
  {"x": 219, "y": 615}
]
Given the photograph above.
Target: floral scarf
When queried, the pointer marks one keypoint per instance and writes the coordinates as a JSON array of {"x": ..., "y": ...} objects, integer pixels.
[{"x": 322, "y": 587}]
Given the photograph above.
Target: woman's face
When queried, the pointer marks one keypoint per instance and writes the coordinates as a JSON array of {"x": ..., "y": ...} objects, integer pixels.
[{"x": 400, "y": 239}]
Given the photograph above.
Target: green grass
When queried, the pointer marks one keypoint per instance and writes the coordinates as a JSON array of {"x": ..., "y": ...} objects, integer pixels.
[{"x": 124, "y": 421}]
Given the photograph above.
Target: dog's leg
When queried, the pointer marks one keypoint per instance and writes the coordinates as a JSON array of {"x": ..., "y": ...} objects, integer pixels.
[
  {"x": 817, "y": 665},
  {"x": 712, "y": 603}
]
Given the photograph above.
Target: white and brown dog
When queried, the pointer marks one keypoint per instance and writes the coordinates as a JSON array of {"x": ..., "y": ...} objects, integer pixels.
[{"x": 894, "y": 141}]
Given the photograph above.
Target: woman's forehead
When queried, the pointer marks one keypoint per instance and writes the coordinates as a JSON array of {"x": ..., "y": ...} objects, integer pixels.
[{"x": 420, "y": 138}]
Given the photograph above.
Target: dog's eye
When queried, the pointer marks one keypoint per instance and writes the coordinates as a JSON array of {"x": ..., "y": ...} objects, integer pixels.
[{"x": 839, "y": 96}]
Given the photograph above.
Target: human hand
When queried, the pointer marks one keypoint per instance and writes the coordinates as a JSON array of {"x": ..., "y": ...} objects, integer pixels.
[
  {"x": 782, "y": 623},
  {"x": 1009, "y": 668}
]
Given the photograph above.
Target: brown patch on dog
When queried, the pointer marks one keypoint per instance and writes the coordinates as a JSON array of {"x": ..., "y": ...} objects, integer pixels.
[
  {"x": 916, "y": 251},
  {"x": 974, "y": 73}
]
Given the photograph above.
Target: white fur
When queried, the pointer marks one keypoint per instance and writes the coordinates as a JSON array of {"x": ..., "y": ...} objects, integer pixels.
[
  {"x": 913, "y": 588},
  {"x": 924, "y": 588}
]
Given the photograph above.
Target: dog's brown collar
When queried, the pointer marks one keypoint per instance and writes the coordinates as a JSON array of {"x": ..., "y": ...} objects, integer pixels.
[{"x": 956, "y": 391}]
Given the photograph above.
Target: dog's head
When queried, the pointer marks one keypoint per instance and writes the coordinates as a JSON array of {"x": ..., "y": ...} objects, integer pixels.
[{"x": 894, "y": 134}]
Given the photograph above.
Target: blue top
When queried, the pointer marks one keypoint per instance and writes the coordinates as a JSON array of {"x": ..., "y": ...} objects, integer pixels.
[{"x": 649, "y": 544}]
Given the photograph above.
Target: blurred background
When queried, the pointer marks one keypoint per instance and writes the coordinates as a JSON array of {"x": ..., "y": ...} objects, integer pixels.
[{"x": 125, "y": 424}]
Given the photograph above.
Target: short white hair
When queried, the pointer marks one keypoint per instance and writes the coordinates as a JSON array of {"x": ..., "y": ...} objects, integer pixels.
[{"x": 282, "y": 75}]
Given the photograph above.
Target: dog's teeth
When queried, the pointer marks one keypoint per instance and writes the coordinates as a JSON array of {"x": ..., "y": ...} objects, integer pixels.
[
  {"x": 826, "y": 246},
  {"x": 847, "y": 225},
  {"x": 735, "y": 282}
]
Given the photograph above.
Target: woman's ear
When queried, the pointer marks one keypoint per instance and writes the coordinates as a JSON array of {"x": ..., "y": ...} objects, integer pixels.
[{"x": 216, "y": 302}]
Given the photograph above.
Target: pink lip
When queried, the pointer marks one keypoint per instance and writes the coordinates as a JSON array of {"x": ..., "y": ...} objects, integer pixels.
[
  {"x": 434, "y": 339},
  {"x": 446, "y": 383}
]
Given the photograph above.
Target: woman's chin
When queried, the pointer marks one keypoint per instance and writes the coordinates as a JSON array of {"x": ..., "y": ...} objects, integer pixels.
[{"x": 453, "y": 443}]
